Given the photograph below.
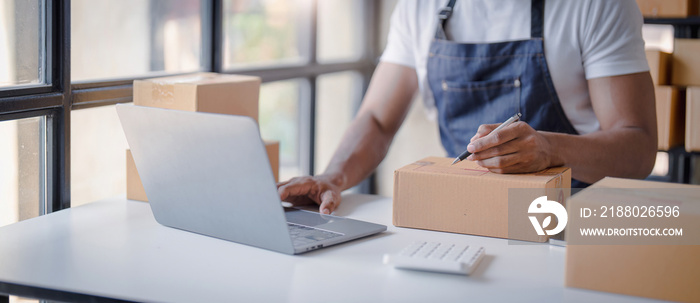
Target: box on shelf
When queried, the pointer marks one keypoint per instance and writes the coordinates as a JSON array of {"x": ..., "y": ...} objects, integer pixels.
[
  {"x": 692, "y": 120},
  {"x": 135, "y": 190},
  {"x": 466, "y": 198},
  {"x": 665, "y": 272},
  {"x": 659, "y": 66},
  {"x": 201, "y": 92},
  {"x": 668, "y": 8},
  {"x": 670, "y": 117},
  {"x": 686, "y": 63}
]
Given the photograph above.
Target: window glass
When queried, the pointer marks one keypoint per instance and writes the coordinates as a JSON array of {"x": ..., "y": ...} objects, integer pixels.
[
  {"x": 127, "y": 38},
  {"x": 338, "y": 95},
  {"x": 98, "y": 155},
  {"x": 340, "y": 28},
  {"x": 265, "y": 32},
  {"x": 21, "y": 43},
  {"x": 22, "y": 161},
  {"x": 281, "y": 109}
]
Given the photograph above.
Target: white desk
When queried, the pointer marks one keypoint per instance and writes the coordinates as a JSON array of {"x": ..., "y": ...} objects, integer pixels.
[{"x": 115, "y": 249}]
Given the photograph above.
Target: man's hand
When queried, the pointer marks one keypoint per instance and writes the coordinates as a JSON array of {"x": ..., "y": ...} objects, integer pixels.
[
  {"x": 306, "y": 190},
  {"x": 517, "y": 148}
]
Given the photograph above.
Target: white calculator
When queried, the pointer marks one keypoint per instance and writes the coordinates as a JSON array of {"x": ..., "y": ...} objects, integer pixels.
[{"x": 439, "y": 257}]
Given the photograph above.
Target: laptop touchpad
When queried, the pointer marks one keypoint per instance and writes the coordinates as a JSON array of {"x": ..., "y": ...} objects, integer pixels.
[{"x": 307, "y": 218}]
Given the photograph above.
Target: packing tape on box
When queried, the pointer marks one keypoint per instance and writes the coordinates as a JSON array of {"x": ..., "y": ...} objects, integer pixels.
[{"x": 164, "y": 90}]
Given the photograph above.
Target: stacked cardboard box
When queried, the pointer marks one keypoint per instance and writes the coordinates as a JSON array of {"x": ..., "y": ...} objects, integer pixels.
[
  {"x": 686, "y": 62},
  {"x": 659, "y": 66},
  {"x": 669, "y": 112},
  {"x": 670, "y": 108},
  {"x": 686, "y": 73},
  {"x": 692, "y": 118},
  {"x": 673, "y": 75},
  {"x": 201, "y": 92},
  {"x": 668, "y": 8},
  {"x": 466, "y": 198}
]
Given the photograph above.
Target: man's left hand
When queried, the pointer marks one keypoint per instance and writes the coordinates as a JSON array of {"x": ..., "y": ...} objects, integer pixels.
[{"x": 517, "y": 148}]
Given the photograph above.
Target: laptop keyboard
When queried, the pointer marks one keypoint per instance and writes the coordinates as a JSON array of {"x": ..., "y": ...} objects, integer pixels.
[{"x": 304, "y": 235}]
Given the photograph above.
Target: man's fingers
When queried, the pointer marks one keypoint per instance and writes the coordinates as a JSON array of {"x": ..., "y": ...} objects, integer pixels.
[
  {"x": 329, "y": 201},
  {"x": 498, "y": 150},
  {"x": 500, "y": 162},
  {"x": 484, "y": 129},
  {"x": 283, "y": 183},
  {"x": 493, "y": 139},
  {"x": 293, "y": 189}
]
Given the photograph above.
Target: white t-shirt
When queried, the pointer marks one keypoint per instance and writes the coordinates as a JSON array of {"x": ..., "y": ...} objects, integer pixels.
[{"x": 583, "y": 39}]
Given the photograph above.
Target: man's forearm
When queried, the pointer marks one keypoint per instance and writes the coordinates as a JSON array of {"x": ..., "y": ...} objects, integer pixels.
[{"x": 620, "y": 152}]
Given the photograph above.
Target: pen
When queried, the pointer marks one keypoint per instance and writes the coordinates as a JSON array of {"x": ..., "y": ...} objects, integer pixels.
[{"x": 510, "y": 120}]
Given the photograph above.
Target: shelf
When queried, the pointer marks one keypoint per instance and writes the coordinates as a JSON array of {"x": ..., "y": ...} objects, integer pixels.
[{"x": 695, "y": 20}]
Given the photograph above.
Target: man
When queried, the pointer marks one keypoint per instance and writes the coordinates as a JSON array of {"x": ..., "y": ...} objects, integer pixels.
[{"x": 575, "y": 70}]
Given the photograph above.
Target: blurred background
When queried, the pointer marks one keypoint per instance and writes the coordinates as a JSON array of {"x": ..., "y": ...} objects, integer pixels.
[{"x": 315, "y": 58}]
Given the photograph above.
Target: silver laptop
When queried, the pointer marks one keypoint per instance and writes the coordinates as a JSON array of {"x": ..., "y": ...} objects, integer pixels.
[{"x": 209, "y": 174}]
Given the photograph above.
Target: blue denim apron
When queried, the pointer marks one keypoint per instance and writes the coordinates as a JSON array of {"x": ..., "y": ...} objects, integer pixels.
[{"x": 476, "y": 84}]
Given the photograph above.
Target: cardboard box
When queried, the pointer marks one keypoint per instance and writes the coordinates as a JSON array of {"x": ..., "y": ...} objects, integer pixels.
[
  {"x": 686, "y": 63},
  {"x": 670, "y": 117},
  {"x": 692, "y": 120},
  {"x": 665, "y": 272},
  {"x": 135, "y": 190},
  {"x": 466, "y": 198},
  {"x": 659, "y": 66},
  {"x": 273, "y": 154},
  {"x": 202, "y": 92},
  {"x": 668, "y": 8}
]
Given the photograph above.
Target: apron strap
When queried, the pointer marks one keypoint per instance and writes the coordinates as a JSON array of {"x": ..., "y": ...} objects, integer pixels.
[
  {"x": 536, "y": 19},
  {"x": 443, "y": 16}
]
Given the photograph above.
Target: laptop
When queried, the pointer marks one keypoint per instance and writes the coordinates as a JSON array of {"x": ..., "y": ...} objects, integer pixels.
[{"x": 209, "y": 174}]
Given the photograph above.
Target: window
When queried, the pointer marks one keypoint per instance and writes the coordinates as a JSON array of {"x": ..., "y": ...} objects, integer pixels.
[
  {"x": 281, "y": 106},
  {"x": 21, "y": 176},
  {"x": 119, "y": 39},
  {"x": 22, "y": 57},
  {"x": 337, "y": 97},
  {"x": 266, "y": 32},
  {"x": 98, "y": 160},
  {"x": 339, "y": 37}
]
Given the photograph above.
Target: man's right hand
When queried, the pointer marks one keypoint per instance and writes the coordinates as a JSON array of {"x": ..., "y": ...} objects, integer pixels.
[{"x": 305, "y": 190}]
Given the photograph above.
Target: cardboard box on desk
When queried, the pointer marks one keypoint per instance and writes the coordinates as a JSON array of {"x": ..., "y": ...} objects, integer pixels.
[
  {"x": 668, "y": 8},
  {"x": 666, "y": 272},
  {"x": 692, "y": 120},
  {"x": 686, "y": 63},
  {"x": 273, "y": 154},
  {"x": 135, "y": 190},
  {"x": 659, "y": 66},
  {"x": 201, "y": 92},
  {"x": 670, "y": 116},
  {"x": 467, "y": 198}
]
